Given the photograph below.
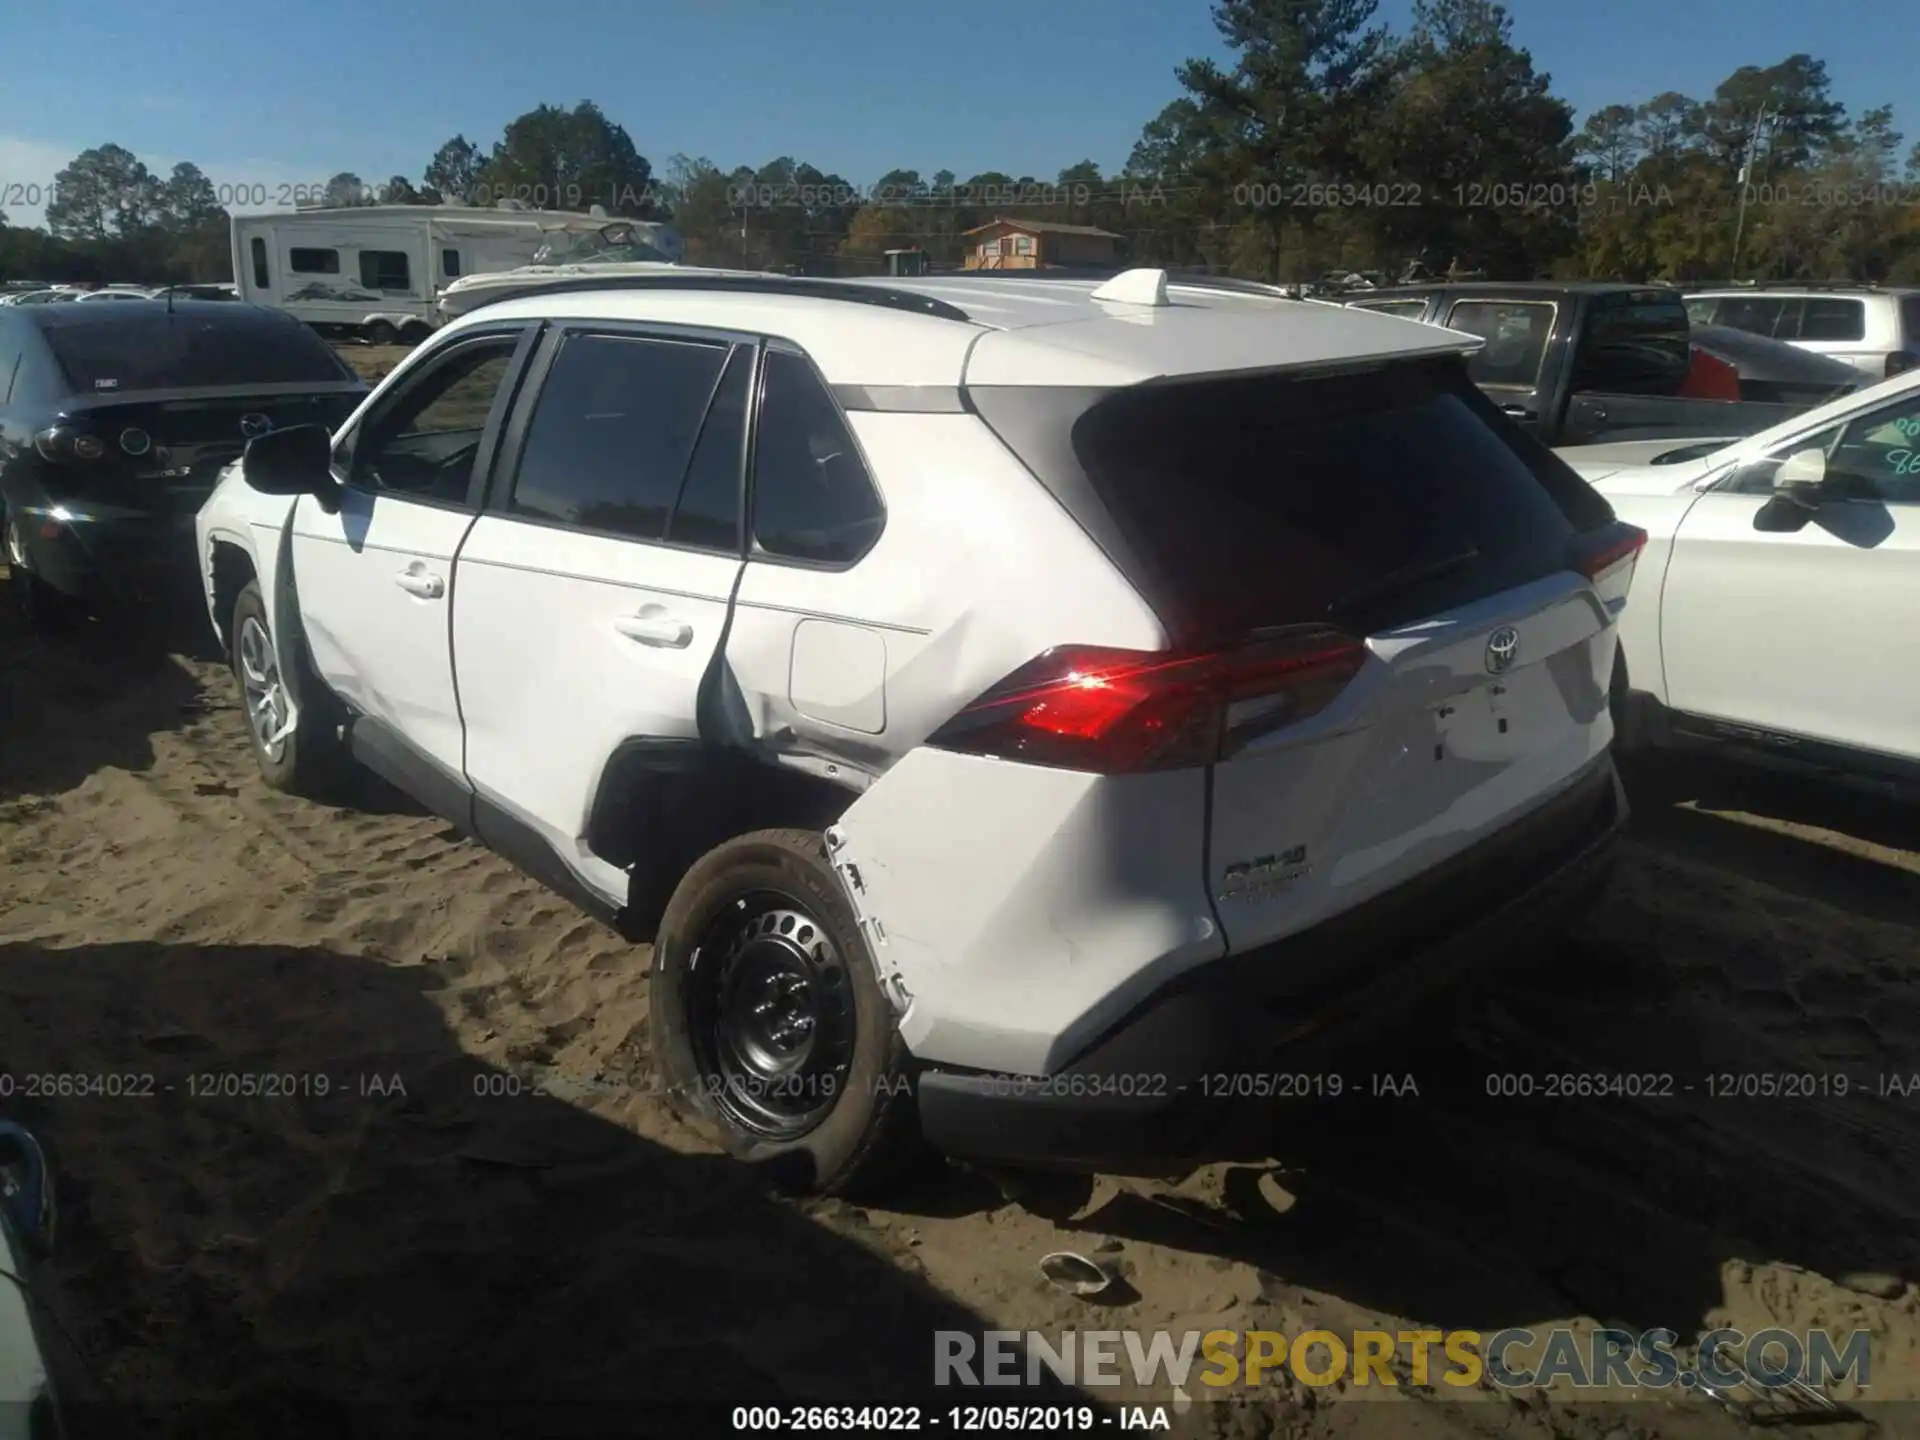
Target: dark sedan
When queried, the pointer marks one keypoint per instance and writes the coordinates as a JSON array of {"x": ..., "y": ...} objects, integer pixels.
[{"x": 115, "y": 421}]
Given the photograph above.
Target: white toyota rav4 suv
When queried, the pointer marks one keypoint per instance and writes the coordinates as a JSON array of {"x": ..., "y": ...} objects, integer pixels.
[{"x": 1013, "y": 708}]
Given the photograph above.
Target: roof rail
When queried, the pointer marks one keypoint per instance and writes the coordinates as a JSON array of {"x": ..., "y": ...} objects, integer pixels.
[
  {"x": 859, "y": 293},
  {"x": 1232, "y": 284},
  {"x": 1790, "y": 285},
  {"x": 1068, "y": 274}
]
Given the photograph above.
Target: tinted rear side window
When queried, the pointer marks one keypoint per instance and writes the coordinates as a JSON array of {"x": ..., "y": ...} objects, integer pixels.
[
  {"x": 1635, "y": 346},
  {"x": 812, "y": 497},
  {"x": 1365, "y": 500},
  {"x": 613, "y": 431},
  {"x": 1910, "y": 322},
  {"x": 708, "y": 513},
  {"x": 157, "y": 351},
  {"x": 1825, "y": 319},
  {"x": 1753, "y": 314},
  {"x": 1516, "y": 333}
]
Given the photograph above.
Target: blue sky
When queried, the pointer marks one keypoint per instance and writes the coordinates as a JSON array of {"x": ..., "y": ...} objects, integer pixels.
[{"x": 275, "y": 94}]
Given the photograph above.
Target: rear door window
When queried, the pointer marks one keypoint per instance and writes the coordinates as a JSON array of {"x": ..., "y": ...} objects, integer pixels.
[
  {"x": 1634, "y": 344},
  {"x": 1755, "y": 314},
  {"x": 1363, "y": 500},
  {"x": 1828, "y": 318},
  {"x": 1516, "y": 333},
  {"x": 613, "y": 432},
  {"x": 1787, "y": 327}
]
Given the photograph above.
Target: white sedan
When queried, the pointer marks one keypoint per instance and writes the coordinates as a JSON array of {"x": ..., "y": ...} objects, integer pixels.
[{"x": 1776, "y": 607}]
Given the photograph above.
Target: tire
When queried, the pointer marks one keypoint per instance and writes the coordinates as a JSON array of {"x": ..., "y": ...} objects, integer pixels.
[
  {"x": 415, "y": 331},
  {"x": 305, "y": 761},
  {"x": 381, "y": 333},
  {"x": 45, "y": 610},
  {"x": 726, "y": 931}
]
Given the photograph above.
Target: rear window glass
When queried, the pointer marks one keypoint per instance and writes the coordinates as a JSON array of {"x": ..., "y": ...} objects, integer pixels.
[
  {"x": 1363, "y": 500},
  {"x": 1910, "y": 322},
  {"x": 158, "y": 351}
]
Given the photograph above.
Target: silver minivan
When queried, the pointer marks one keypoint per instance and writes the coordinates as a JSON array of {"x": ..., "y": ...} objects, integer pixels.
[{"x": 1875, "y": 330}]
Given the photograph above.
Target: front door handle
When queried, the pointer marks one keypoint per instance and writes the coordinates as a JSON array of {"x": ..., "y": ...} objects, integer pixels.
[
  {"x": 419, "y": 582},
  {"x": 658, "y": 629},
  {"x": 1518, "y": 412}
]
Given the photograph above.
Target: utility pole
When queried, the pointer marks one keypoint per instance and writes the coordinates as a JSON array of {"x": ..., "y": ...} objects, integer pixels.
[{"x": 1746, "y": 171}]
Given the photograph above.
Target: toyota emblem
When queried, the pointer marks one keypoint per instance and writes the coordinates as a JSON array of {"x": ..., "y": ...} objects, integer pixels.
[
  {"x": 254, "y": 426},
  {"x": 1502, "y": 646}
]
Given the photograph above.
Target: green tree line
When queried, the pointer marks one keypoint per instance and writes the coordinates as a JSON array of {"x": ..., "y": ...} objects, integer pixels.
[{"x": 1327, "y": 140}]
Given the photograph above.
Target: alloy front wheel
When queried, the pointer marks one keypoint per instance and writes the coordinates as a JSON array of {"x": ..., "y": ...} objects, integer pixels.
[{"x": 260, "y": 685}]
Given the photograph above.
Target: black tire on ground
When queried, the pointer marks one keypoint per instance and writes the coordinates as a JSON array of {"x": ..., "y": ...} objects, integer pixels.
[
  {"x": 45, "y": 610},
  {"x": 867, "y": 1131},
  {"x": 414, "y": 331},
  {"x": 381, "y": 333},
  {"x": 304, "y": 762}
]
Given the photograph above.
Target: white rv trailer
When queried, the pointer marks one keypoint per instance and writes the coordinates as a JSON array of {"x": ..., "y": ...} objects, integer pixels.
[{"x": 377, "y": 270}]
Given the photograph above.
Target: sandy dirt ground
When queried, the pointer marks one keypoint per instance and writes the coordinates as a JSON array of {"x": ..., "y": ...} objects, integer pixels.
[{"x": 488, "y": 1224}]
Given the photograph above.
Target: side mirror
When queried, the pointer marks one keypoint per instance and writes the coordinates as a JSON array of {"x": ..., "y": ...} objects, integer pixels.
[
  {"x": 1802, "y": 479},
  {"x": 294, "y": 461}
]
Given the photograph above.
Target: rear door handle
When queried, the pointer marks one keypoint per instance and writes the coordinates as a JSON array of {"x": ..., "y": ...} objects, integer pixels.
[
  {"x": 660, "y": 630},
  {"x": 419, "y": 582},
  {"x": 1518, "y": 412}
]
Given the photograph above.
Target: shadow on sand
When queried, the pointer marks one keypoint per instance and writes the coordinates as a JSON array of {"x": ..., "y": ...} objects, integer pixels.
[{"x": 419, "y": 1250}]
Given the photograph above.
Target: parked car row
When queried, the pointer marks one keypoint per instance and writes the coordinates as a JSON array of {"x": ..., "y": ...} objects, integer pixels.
[
  {"x": 1003, "y": 702},
  {"x": 1584, "y": 362},
  {"x": 62, "y": 294},
  {"x": 1875, "y": 330}
]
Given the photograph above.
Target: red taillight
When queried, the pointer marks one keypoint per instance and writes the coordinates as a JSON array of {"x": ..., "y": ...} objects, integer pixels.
[
  {"x": 1605, "y": 550},
  {"x": 1900, "y": 362},
  {"x": 1086, "y": 707}
]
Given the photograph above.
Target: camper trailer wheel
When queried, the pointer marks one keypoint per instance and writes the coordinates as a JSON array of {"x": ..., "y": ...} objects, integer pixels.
[{"x": 381, "y": 333}]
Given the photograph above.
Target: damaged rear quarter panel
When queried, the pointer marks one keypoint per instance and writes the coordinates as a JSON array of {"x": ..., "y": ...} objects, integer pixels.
[{"x": 1025, "y": 909}]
